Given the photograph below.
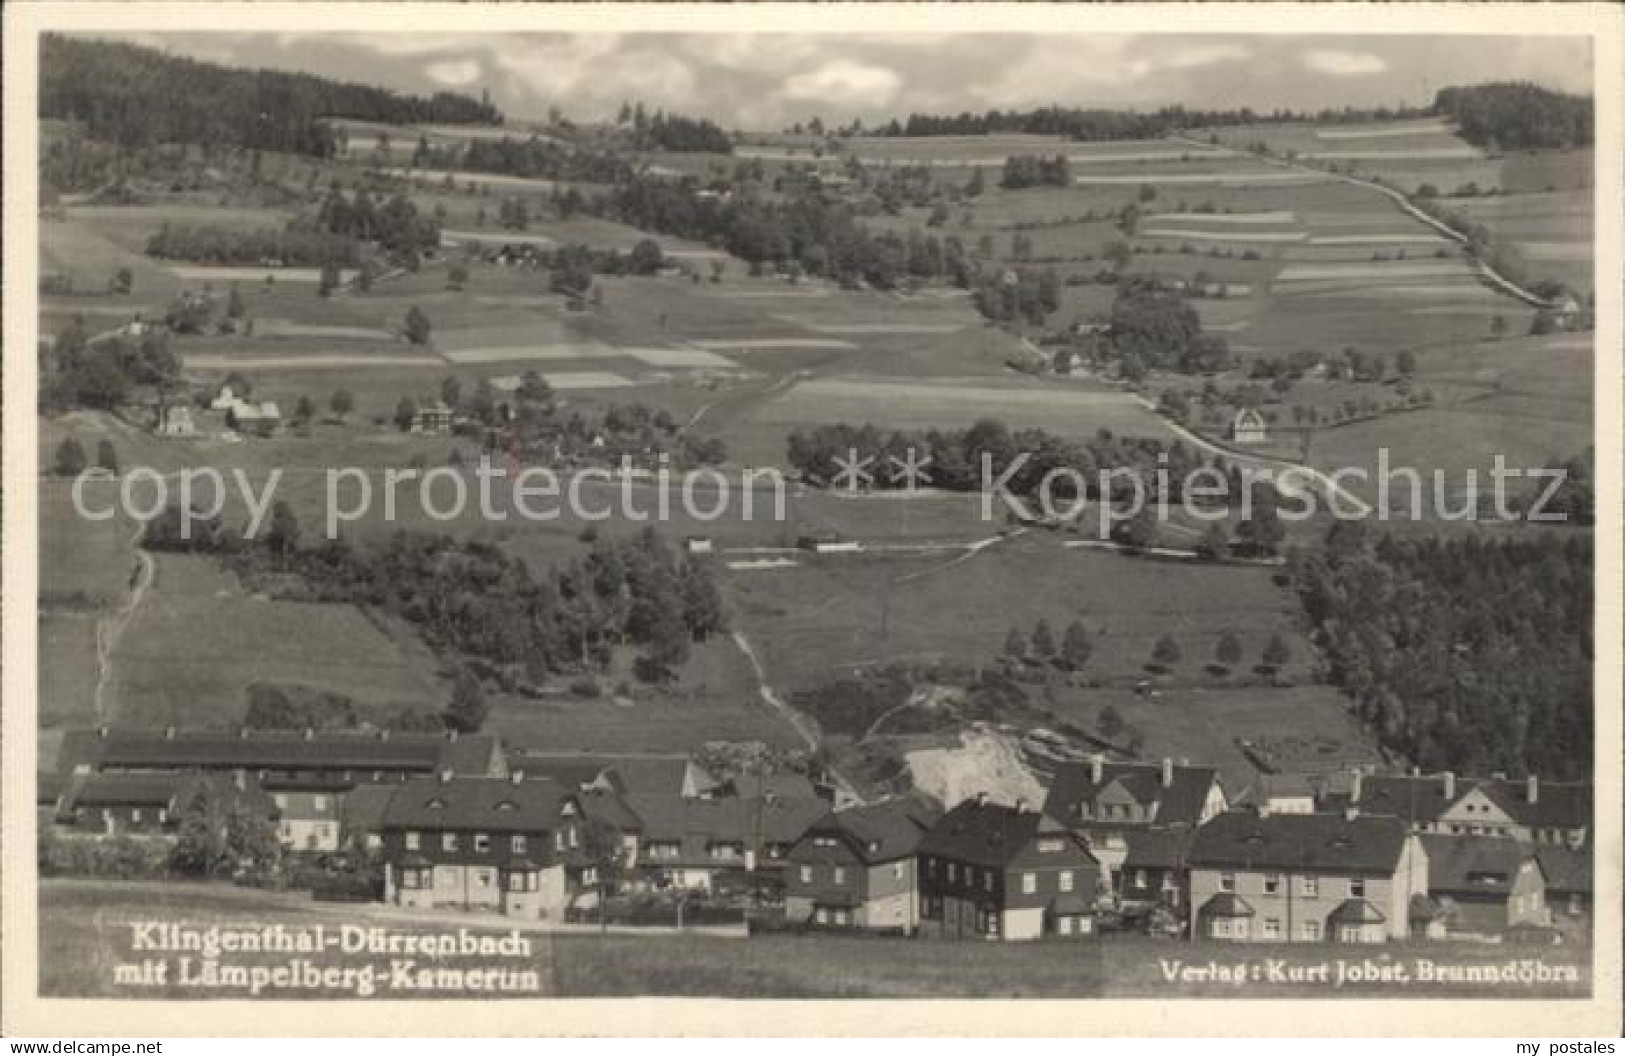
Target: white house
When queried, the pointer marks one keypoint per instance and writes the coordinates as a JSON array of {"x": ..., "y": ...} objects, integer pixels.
[{"x": 1248, "y": 427}]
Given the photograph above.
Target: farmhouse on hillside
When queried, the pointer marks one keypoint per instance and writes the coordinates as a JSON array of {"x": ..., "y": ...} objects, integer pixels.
[{"x": 1248, "y": 427}]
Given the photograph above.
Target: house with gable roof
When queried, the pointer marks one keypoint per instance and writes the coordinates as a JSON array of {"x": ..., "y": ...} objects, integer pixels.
[
  {"x": 999, "y": 872},
  {"x": 1263, "y": 877},
  {"x": 1555, "y": 813},
  {"x": 1485, "y": 888},
  {"x": 496, "y": 844},
  {"x": 857, "y": 868},
  {"x": 1106, "y": 802}
]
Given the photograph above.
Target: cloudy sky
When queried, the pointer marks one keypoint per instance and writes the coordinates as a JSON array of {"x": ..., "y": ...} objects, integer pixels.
[{"x": 767, "y": 81}]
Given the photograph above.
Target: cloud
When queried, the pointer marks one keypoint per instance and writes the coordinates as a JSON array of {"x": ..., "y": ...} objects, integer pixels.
[
  {"x": 844, "y": 83},
  {"x": 456, "y": 73},
  {"x": 1202, "y": 55},
  {"x": 1343, "y": 63}
]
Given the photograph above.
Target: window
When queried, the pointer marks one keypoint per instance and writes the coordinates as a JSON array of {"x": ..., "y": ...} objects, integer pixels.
[
  {"x": 573, "y": 842},
  {"x": 931, "y": 907},
  {"x": 840, "y": 918},
  {"x": 1221, "y": 928},
  {"x": 163, "y": 816},
  {"x": 1239, "y": 928},
  {"x": 281, "y": 801},
  {"x": 1272, "y": 928},
  {"x": 987, "y": 881},
  {"x": 415, "y": 879},
  {"x": 320, "y": 803},
  {"x": 517, "y": 843},
  {"x": 823, "y": 915},
  {"x": 448, "y": 841},
  {"x": 524, "y": 880},
  {"x": 1227, "y": 881},
  {"x": 1309, "y": 887},
  {"x": 899, "y": 870},
  {"x": 840, "y": 874},
  {"x": 589, "y": 876},
  {"x": 1139, "y": 879},
  {"x": 1357, "y": 887},
  {"x": 1064, "y": 925},
  {"x": 1066, "y": 879},
  {"x": 987, "y": 921},
  {"x": 806, "y": 874},
  {"x": 931, "y": 868},
  {"x": 1272, "y": 883},
  {"x": 135, "y": 814},
  {"x": 1029, "y": 883},
  {"x": 482, "y": 842},
  {"x": 414, "y": 841},
  {"x": 951, "y": 876},
  {"x": 558, "y": 839},
  {"x": 1311, "y": 930},
  {"x": 1050, "y": 846}
]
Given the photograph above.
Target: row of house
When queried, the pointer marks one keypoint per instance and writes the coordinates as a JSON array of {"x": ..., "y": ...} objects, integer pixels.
[{"x": 459, "y": 822}]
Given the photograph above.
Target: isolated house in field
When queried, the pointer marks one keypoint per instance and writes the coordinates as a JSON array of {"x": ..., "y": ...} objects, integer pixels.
[
  {"x": 174, "y": 420},
  {"x": 1105, "y": 802},
  {"x": 996, "y": 872},
  {"x": 1485, "y": 887},
  {"x": 432, "y": 416},
  {"x": 495, "y": 844},
  {"x": 256, "y": 419},
  {"x": 310, "y": 775},
  {"x": 1305, "y": 878},
  {"x": 1248, "y": 427},
  {"x": 698, "y": 544},
  {"x": 858, "y": 868},
  {"x": 1531, "y": 810}
]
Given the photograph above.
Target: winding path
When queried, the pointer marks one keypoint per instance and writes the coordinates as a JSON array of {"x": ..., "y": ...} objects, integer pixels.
[{"x": 109, "y": 630}]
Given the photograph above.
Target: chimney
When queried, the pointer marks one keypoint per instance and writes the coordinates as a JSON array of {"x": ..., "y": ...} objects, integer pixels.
[
  {"x": 169, "y": 733},
  {"x": 1532, "y": 788},
  {"x": 451, "y": 736},
  {"x": 1449, "y": 785},
  {"x": 310, "y": 733},
  {"x": 1264, "y": 808},
  {"x": 1351, "y": 812},
  {"x": 1021, "y": 805},
  {"x": 1416, "y": 771},
  {"x": 1167, "y": 772},
  {"x": 445, "y": 776},
  {"x": 1097, "y": 768},
  {"x": 1498, "y": 775},
  {"x": 1356, "y": 785},
  {"x": 981, "y": 799},
  {"x": 383, "y": 734},
  {"x": 517, "y": 777},
  {"x": 101, "y": 731},
  {"x": 239, "y": 777}
]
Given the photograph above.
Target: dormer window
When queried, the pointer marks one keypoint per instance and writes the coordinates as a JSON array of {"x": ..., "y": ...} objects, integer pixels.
[
  {"x": 505, "y": 805},
  {"x": 437, "y": 804}
]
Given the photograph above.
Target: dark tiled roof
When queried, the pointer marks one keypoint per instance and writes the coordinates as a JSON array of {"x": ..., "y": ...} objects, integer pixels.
[
  {"x": 172, "y": 792},
  {"x": 1357, "y": 911},
  {"x": 1179, "y": 802},
  {"x": 987, "y": 834},
  {"x": 1226, "y": 904},
  {"x": 610, "y": 808},
  {"x": 1566, "y": 871},
  {"x": 490, "y": 803},
  {"x": 215, "y": 749},
  {"x": 883, "y": 831},
  {"x": 48, "y": 788},
  {"x": 1473, "y": 864},
  {"x": 1157, "y": 848},
  {"x": 696, "y": 824},
  {"x": 365, "y": 806},
  {"x": 1558, "y": 804},
  {"x": 786, "y": 785},
  {"x": 1332, "y": 842},
  {"x": 1425, "y": 908}
]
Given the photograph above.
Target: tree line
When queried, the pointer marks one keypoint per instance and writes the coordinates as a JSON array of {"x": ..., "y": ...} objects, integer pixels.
[
  {"x": 1105, "y": 124},
  {"x": 472, "y": 599},
  {"x": 1518, "y": 115},
  {"x": 137, "y": 97},
  {"x": 1462, "y": 654}
]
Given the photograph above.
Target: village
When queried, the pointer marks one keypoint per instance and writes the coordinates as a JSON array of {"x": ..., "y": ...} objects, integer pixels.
[{"x": 458, "y": 823}]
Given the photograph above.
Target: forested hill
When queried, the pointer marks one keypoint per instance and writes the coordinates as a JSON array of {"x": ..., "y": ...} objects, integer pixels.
[
  {"x": 137, "y": 97},
  {"x": 1462, "y": 654},
  {"x": 1098, "y": 124},
  {"x": 1518, "y": 116}
]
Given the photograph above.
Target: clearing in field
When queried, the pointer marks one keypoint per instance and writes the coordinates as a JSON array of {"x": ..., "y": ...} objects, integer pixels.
[
  {"x": 950, "y": 403},
  {"x": 226, "y": 274},
  {"x": 771, "y": 343},
  {"x": 586, "y": 379},
  {"x": 1278, "y": 216},
  {"x": 1400, "y": 154},
  {"x": 692, "y": 358},
  {"x": 1418, "y": 128},
  {"x": 197, "y": 642},
  {"x": 208, "y": 361}
]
